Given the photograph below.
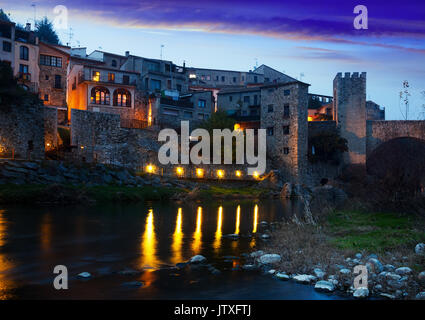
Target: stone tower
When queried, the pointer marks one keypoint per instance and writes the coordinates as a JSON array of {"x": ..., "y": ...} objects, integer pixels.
[{"x": 349, "y": 93}]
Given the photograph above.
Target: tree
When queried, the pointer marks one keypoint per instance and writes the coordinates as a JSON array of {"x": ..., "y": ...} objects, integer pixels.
[
  {"x": 218, "y": 120},
  {"x": 46, "y": 32},
  {"x": 326, "y": 146},
  {"x": 4, "y": 16}
]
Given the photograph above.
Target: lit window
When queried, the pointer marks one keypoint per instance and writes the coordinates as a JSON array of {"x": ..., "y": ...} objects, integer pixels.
[
  {"x": 111, "y": 77},
  {"x": 199, "y": 173},
  {"x": 96, "y": 76},
  {"x": 100, "y": 95},
  {"x": 220, "y": 174},
  {"x": 122, "y": 98},
  {"x": 201, "y": 103}
]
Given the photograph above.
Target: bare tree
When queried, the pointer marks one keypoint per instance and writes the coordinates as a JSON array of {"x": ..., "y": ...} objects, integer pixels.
[{"x": 404, "y": 99}]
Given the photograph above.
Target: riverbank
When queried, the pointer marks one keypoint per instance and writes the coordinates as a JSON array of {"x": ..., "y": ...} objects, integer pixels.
[{"x": 325, "y": 254}]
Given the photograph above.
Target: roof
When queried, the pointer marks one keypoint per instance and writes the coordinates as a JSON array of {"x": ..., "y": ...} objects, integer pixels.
[
  {"x": 282, "y": 84},
  {"x": 54, "y": 47},
  {"x": 221, "y": 70},
  {"x": 239, "y": 90}
]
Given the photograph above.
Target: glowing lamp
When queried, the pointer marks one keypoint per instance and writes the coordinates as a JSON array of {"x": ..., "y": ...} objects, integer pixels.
[
  {"x": 237, "y": 126},
  {"x": 220, "y": 173},
  {"x": 150, "y": 168},
  {"x": 238, "y": 173},
  {"x": 179, "y": 171},
  {"x": 255, "y": 175},
  {"x": 82, "y": 147},
  {"x": 310, "y": 118},
  {"x": 199, "y": 173}
]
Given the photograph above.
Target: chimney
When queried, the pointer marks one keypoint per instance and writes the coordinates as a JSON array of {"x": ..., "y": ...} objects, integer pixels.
[
  {"x": 127, "y": 53},
  {"x": 28, "y": 27}
]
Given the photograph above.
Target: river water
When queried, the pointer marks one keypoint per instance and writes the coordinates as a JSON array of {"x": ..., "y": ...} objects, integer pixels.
[{"x": 151, "y": 237}]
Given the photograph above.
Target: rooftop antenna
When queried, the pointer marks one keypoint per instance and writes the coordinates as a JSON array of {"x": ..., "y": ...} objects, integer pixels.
[
  {"x": 78, "y": 43},
  {"x": 256, "y": 63},
  {"x": 69, "y": 34},
  {"x": 162, "y": 46},
  {"x": 301, "y": 76}
]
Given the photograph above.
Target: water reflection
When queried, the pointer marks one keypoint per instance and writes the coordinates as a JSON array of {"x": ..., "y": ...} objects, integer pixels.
[
  {"x": 177, "y": 239},
  {"x": 238, "y": 219},
  {"x": 217, "y": 241},
  {"x": 149, "y": 242},
  {"x": 5, "y": 264},
  {"x": 46, "y": 232},
  {"x": 254, "y": 229},
  {"x": 198, "y": 233}
]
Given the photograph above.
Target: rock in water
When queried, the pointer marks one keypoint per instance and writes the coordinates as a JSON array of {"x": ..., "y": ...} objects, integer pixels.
[
  {"x": 282, "y": 276},
  {"x": 421, "y": 296},
  {"x": 304, "y": 278},
  {"x": 319, "y": 273},
  {"x": 361, "y": 293},
  {"x": 325, "y": 286},
  {"x": 197, "y": 259},
  {"x": 420, "y": 249},
  {"x": 269, "y": 258},
  {"x": 257, "y": 254},
  {"x": 84, "y": 275}
]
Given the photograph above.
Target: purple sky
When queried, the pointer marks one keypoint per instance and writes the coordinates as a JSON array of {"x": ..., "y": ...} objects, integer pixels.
[{"x": 316, "y": 38}]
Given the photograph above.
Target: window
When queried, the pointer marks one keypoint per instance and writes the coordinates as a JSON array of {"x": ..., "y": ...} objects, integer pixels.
[
  {"x": 23, "y": 72},
  {"x": 155, "y": 84},
  {"x": 153, "y": 66},
  {"x": 255, "y": 99},
  {"x": 247, "y": 99},
  {"x": 125, "y": 79},
  {"x": 7, "y": 46},
  {"x": 230, "y": 98},
  {"x": 286, "y": 111},
  {"x": 122, "y": 98},
  {"x": 243, "y": 78},
  {"x": 223, "y": 78},
  {"x": 234, "y": 79},
  {"x": 201, "y": 103},
  {"x": 111, "y": 77},
  {"x": 216, "y": 78},
  {"x": 208, "y": 78},
  {"x": 266, "y": 80},
  {"x": 114, "y": 63},
  {"x": 50, "y": 61},
  {"x": 23, "y": 53},
  {"x": 96, "y": 76},
  {"x": 100, "y": 95},
  {"x": 74, "y": 84},
  {"x": 58, "y": 82},
  {"x": 255, "y": 79},
  {"x": 169, "y": 84},
  {"x": 270, "y": 108},
  {"x": 285, "y": 150},
  {"x": 270, "y": 131},
  {"x": 179, "y": 87},
  {"x": 285, "y": 130},
  {"x": 46, "y": 97},
  {"x": 46, "y": 77},
  {"x": 187, "y": 114},
  {"x": 286, "y": 92}
]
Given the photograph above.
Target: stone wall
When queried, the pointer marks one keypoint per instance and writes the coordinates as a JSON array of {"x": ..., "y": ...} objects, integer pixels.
[
  {"x": 287, "y": 150},
  {"x": 381, "y": 131},
  {"x": 50, "y": 128},
  {"x": 22, "y": 131},
  {"x": 350, "y": 112},
  {"x": 99, "y": 137}
]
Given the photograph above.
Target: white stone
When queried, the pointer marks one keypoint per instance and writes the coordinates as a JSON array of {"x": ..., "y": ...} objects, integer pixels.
[
  {"x": 392, "y": 276},
  {"x": 361, "y": 293},
  {"x": 282, "y": 276},
  {"x": 84, "y": 275},
  {"x": 421, "y": 296},
  {"x": 345, "y": 271},
  {"x": 272, "y": 271},
  {"x": 304, "y": 278},
  {"x": 265, "y": 236},
  {"x": 257, "y": 254},
  {"x": 421, "y": 276},
  {"x": 387, "y": 295},
  {"x": 197, "y": 259},
  {"x": 403, "y": 270},
  {"x": 420, "y": 249},
  {"x": 358, "y": 256},
  {"x": 323, "y": 285},
  {"x": 319, "y": 273},
  {"x": 269, "y": 258}
]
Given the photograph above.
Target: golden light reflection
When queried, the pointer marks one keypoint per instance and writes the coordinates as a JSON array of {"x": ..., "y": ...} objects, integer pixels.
[
  {"x": 217, "y": 241},
  {"x": 46, "y": 232},
  {"x": 220, "y": 174},
  {"x": 5, "y": 264},
  {"x": 254, "y": 229},
  {"x": 178, "y": 239},
  {"x": 255, "y": 175},
  {"x": 150, "y": 113},
  {"x": 199, "y": 172},
  {"x": 238, "y": 173},
  {"x": 150, "y": 168},
  {"x": 179, "y": 171},
  {"x": 238, "y": 219},
  {"x": 196, "y": 246},
  {"x": 149, "y": 242}
]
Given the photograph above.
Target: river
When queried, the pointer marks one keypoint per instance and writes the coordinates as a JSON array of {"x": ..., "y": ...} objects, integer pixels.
[{"x": 152, "y": 237}]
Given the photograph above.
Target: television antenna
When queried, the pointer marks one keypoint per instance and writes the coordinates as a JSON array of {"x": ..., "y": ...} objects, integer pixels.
[
  {"x": 162, "y": 46},
  {"x": 70, "y": 34}
]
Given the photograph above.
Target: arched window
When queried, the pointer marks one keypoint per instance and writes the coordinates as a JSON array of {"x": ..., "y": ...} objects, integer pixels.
[
  {"x": 100, "y": 95},
  {"x": 122, "y": 98},
  {"x": 114, "y": 63},
  {"x": 23, "y": 53}
]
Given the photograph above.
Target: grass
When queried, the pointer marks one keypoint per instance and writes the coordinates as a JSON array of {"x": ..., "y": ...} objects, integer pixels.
[
  {"x": 229, "y": 191},
  {"x": 11, "y": 193},
  {"x": 375, "y": 232}
]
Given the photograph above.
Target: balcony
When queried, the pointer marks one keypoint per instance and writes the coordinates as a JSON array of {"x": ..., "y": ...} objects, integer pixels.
[
  {"x": 24, "y": 76},
  {"x": 104, "y": 80},
  {"x": 177, "y": 103}
]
